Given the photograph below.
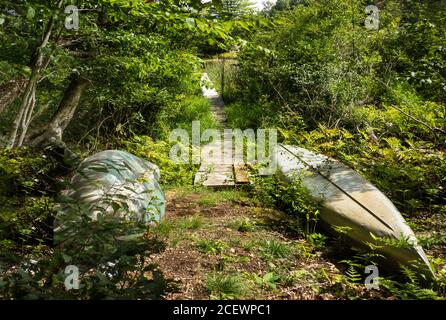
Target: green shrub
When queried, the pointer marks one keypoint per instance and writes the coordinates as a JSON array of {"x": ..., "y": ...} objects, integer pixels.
[
  {"x": 225, "y": 286},
  {"x": 32, "y": 267},
  {"x": 27, "y": 187},
  {"x": 192, "y": 107},
  {"x": 293, "y": 198},
  {"x": 157, "y": 152},
  {"x": 272, "y": 249},
  {"x": 211, "y": 246}
]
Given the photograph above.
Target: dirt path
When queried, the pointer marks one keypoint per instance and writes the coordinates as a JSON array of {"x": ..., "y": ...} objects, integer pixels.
[{"x": 221, "y": 244}]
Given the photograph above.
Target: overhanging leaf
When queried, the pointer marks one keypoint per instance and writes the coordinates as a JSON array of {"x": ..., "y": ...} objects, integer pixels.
[{"x": 30, "y": 13}]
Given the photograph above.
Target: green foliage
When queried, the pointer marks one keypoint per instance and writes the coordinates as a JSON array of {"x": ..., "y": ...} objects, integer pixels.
[
  {"x": 24, "y": 170},
  {"x": 188, "y": 108},
  {"x": 293, "y": 198},
  {"x": 139, "y": 57},
  {"x": 109, "y": 268},
  {"x": 26, "y": 199},
  {"x": 209, "y": 246},
  {"x": 191, "y": 108},
  {"x": 243, "y": 225},
  {"x": 31, "y": 265},
  {"x": 420, "y": 55},
  {"x": 242, "y": 116},
  {"x": 317, "y": 240},
  {"x": 225, "y": 286},
  {"x": 272, "y": 249},
  {"x": 158, "y": 152},
  {"x": 322, "y": 65},
  {"x": 372, "y": 99},
  {"x": 297, "y": 69},
  {"x": 401, "y": 242},
  {"x": 164, "y": 228},
  {"x": 214, "y": 198},
  {"x": 409, "y": 287},
  {"x": 428, "y": 242},
  {"x": 192, "y": 223},
  {"x": 270, "y": 280},
  {"x": 250, "y": 245},
  {"x": 409, "y": 290}
]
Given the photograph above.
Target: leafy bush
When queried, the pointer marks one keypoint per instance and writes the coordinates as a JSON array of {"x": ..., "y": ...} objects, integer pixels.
[
  {"x": 320, "y": 63},
  {"x": 32, "y": 267},
  {"x": 293, "y": 198},
  {"x": 243, "y": 116},
  {"x": 158, "y": 152},
  {"x": 27, "y": 185},
  {"x": 109, "y": 267}
]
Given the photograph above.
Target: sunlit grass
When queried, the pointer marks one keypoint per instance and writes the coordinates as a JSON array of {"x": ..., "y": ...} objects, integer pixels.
[
  {"x": 271, "y": 249},
  {"x": 225, "y": 286},
  {"x": 214, "y": 198}
]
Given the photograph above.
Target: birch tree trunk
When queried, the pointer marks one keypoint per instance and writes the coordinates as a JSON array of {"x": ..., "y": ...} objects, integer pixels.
[
  {"x": 24, "y": 116},
  {"x": 62, "y": 117}
]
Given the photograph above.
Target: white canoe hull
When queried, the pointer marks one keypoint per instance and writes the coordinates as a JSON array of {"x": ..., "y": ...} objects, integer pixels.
[{"x": 349, "y": 200}]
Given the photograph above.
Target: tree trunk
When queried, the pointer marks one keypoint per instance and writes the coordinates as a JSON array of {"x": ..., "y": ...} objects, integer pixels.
[
  {"x": 55, "y": 127},
  {"x": 10, "y": 91},
  {"x": 23, "y": 118},
  {"x": 21, "y": 121}
]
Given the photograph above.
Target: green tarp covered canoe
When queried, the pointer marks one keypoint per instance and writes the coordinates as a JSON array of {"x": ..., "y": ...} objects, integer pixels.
[{"x": 113, "y": 183}]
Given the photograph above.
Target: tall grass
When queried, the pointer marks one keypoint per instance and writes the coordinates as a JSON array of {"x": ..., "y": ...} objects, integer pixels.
[
  {"x": 191, "y": 108},
  {"x": 223, "y": 74},
  {"x": 225, "y": 286}
]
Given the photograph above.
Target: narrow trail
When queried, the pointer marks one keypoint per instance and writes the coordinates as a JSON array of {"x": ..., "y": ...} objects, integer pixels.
[
  {"x": 218, "y": 169},
  {"x": 225, "y": 244}
]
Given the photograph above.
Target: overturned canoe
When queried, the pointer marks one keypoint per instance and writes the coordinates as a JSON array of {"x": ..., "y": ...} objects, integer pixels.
[
  {"x": 349, "y": 200},
  {"x": 112, "y": 183}
]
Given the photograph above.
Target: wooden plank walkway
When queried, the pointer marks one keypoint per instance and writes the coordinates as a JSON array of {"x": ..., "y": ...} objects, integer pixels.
[{"x": 216, "y": 171}]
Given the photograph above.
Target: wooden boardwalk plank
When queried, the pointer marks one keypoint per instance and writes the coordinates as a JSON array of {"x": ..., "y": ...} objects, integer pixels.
[
  {"x": 241, "y": 173},
  {"x": 216, "y": 171},
  {"x": 215, "y": 175}
]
